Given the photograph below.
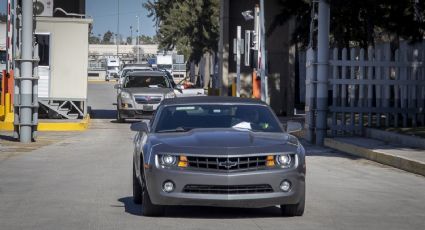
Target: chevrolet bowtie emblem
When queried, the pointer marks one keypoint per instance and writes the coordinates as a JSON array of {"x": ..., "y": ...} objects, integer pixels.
[{"x": 227, "y": 164}]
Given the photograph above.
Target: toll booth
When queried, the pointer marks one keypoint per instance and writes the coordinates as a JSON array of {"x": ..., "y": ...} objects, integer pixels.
[{"x": 62, "y": 69}]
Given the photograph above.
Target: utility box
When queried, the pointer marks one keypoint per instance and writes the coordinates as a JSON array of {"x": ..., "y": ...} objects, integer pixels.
[{"x": 63, "y": 52}]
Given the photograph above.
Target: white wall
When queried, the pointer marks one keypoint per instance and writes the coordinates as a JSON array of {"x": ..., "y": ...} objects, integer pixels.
[
  {"x": 2, "y": 36},
  {"x": 122, "y": 49},
  {"x": 68, "y": 57}
]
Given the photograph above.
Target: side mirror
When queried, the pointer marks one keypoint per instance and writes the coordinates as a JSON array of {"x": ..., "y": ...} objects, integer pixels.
[
  {"x": 139, "y": 127},
  {"x": 179, "y": 87},
  {"x": 292, "y": 127},
  {"x": 117, "y": 86}
]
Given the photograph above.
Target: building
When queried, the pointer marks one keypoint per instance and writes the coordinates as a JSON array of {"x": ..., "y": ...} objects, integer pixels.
[
  {"x": 123, "y": 50},
  {"x": 281, "y": 54}
]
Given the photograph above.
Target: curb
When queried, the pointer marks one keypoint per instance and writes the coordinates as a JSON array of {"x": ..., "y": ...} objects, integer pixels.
[
  {"x": 392, "y": 137},
  {"x": 53, "y": 126},
  {"x": 408, "y": 165}
]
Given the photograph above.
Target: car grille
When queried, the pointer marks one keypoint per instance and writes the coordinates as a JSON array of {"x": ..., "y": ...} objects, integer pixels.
[
  {"x": 147, "y": 99},
  {"x": 227, "y": 189},
  {"x": 227, "y": 164}
]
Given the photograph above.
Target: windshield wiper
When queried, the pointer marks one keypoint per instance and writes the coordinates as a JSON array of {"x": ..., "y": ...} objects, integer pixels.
[{"x": 176, "y": 130}]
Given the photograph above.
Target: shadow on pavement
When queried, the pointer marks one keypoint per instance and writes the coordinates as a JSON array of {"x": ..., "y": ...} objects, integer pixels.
[
  {"x": 8, "y": 138},
  {"x": 130, "y": 206},
  {"x": 103, "y": 114},
  {"x": 195, "y": 212}
]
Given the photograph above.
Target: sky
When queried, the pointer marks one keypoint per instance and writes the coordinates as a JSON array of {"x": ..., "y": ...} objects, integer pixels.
[{"x": 104, "y": 14}]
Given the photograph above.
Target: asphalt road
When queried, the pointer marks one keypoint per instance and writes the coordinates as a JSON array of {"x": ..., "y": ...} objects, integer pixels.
[{"x": 84, "y": 182}]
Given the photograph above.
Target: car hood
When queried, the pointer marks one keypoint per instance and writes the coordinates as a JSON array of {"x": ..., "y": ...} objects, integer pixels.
[
  {"x": 147, "y": 90},
  {"x": 221, "y": 141}
]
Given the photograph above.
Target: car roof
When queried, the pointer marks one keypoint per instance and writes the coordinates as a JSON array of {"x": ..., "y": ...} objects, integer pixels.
[
  {"x": 146, "y": 73},
  {"x": 211, "y": 100},
  {"x": 137, "y": 67}
]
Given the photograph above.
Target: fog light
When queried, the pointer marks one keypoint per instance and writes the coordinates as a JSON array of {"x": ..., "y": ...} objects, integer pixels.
[
  {"x": 285, "y": 186},
  {"x": 168, "y": 186}
]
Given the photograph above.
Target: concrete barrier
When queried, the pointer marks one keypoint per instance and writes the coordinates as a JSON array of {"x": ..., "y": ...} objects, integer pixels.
[{"x": 387, "y": 158}]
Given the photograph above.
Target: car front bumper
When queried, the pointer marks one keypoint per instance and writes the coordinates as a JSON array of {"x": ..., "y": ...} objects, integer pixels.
[
  {"x": 134, "y": 113},
  {"x": 155, "y": 177}
]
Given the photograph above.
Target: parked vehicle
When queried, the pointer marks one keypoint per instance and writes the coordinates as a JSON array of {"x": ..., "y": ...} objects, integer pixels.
[
  {"x": 112, "y": 68},
  {"x": 188, "y": 89},
  {"x": 217, "y": 151},
  {"x": 140, "y": 94},
  {"x": 165, "y": 62}
]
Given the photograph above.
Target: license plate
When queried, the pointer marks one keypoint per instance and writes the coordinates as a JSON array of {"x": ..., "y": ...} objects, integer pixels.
[{"x": 148, "y": 107}]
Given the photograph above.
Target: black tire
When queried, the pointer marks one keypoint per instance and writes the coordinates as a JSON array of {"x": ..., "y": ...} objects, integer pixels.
[
  {"x": 294, "y": 209},
  {"x": 119, "y": 118},
  {"x": 150, "y": 209},
  {"x": 137, "y": 189}
]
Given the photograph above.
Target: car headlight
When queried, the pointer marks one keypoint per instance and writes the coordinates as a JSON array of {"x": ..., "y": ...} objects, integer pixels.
[
  {"x": 170, "y": 95},
  {"x": 284, "y": 160},
  {"x": 125, "y": 95},
  {"x": 168, "y": 160}
]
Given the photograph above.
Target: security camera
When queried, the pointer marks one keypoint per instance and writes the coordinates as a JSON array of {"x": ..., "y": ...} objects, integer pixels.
[{"x": 247, "y": 15}]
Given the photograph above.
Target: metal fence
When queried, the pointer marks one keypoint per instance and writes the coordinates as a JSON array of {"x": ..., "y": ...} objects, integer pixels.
[{"x": 376, "y": 87}]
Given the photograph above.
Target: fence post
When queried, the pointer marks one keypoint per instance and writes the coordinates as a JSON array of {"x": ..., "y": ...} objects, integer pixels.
[
  {"x": 397, "y": 88},
  {"x": 334, "y": 92},
  {"x": 370, "y": 52},
  {"x": 361, "y": 101},
  {"x": 352, "y": 88},
  {"x": 378, "y": 92},
  {"x": 387, "y": 58},
  {"x": 343, "y": 86},
  {"x": 414, "y": 77},
  {"x": 310, "y": 97},
  {"x": 403, "y": 76}
]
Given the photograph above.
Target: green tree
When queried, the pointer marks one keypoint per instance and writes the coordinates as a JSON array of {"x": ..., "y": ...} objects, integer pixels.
[
  {"x": 107, "y": 37},
  {"x": 94, "y": 40},
  {"x": 361, "y": 22},
  {"x": 192, "y": 27}
]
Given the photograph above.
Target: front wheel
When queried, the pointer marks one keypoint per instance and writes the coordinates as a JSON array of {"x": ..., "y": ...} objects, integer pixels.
[
  {"x": 294, "y": 209},
  {"x": 137, "y": 189},
  {"x": 119, "y": 117},
  {"x": 149, "y": 209}
]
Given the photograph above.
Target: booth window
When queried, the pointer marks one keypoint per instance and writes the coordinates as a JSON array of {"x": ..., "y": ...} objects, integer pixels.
[{"x": 43, "y": 41}]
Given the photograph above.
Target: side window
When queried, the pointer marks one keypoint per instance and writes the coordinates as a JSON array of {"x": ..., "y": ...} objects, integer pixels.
[{"x": 43, "y": 41}]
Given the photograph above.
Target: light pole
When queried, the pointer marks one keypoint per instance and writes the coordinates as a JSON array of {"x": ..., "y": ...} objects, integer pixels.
[
  {"x": 138, "y": 37},
  {"x": 131, "y": 35},
  {"x": 118, "y": 26}
]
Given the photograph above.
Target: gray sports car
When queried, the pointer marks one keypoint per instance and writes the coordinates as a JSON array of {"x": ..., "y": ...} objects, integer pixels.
[{"x": 217, "y": 151}]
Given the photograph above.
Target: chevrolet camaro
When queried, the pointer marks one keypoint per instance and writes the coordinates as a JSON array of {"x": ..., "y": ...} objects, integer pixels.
[{"x": 217, "y": 151}]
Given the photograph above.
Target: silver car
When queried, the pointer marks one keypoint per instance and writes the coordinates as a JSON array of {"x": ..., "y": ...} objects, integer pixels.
[
  {"x": 217, "y": 151},
  {"x": 140, "y": 94}
]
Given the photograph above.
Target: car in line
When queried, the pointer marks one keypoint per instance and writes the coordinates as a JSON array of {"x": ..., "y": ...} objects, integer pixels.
[
  {"x": 140, "y": 93},
  {"x": 217, "y": 151},
  {"x": 132, "y": 68}
]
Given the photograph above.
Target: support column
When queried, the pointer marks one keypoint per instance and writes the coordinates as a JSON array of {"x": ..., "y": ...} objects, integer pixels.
[
  {"x": 223, "y": 48},
  {"x": 25, "y": 134},
  {"x": 322, "y": 71}
]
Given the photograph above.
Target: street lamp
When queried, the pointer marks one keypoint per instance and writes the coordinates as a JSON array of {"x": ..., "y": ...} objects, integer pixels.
[
  {"x": 118, "y": 25},
  {"x": 138, "y": 37}
]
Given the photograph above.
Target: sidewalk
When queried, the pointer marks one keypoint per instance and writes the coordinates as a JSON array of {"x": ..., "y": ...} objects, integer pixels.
[{"x": 395, "y": 155}]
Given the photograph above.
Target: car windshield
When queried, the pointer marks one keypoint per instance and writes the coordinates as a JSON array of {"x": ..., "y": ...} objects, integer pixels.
[
  {"x": 182, "y": 118},
  {"x": 160, "y": 66},
  {"x": 146, "y": 82}
]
